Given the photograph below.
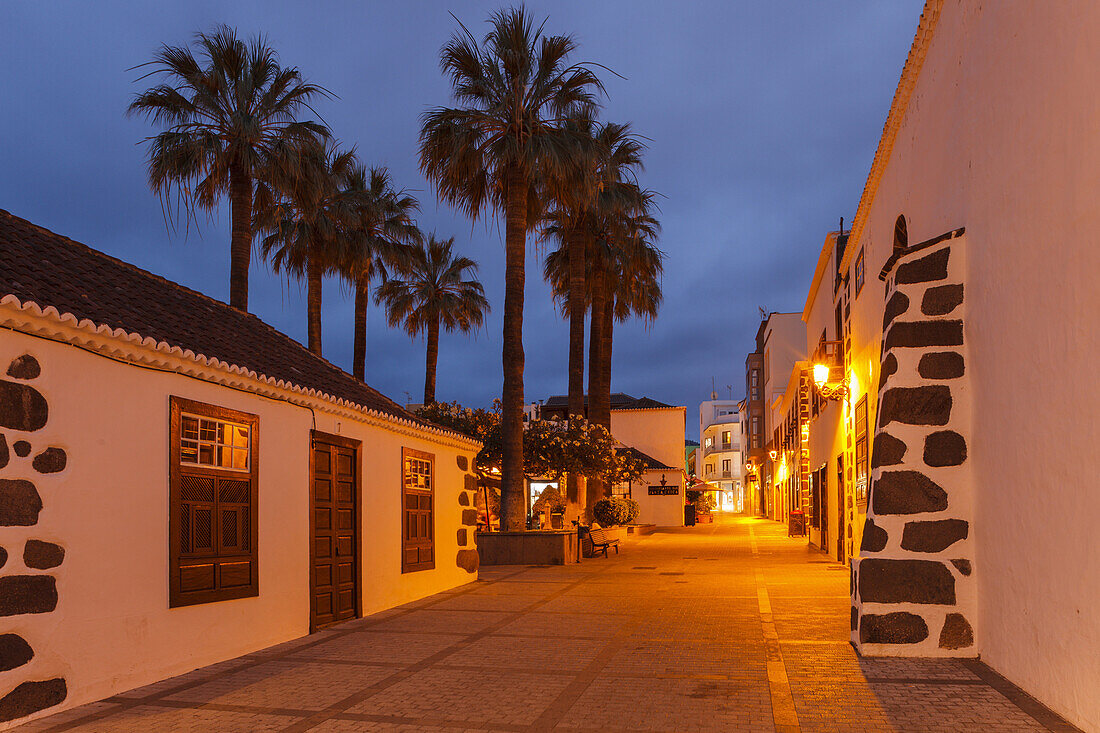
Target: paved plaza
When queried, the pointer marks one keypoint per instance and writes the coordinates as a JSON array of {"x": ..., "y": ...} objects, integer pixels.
[{"x": 729, "y": 626}]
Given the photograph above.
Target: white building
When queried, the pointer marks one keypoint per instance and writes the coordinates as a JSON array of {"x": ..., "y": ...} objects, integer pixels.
[
  {"x": 719, "y": 460},
  {"x": 187, "y": 485}
]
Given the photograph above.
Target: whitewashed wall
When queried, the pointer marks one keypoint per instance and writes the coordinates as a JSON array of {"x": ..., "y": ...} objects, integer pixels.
[
  {"x": 658, "y": 433},
  {"x": 112, "y": 629},
  {"x": 1002, "y": 136}
]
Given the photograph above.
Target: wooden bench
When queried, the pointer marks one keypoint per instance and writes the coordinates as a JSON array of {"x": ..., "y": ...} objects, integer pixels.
[{"x": 601, "y": 541}]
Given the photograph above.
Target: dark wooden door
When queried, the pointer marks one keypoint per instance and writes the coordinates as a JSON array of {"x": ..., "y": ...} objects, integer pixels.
[
  {"x": 823, "y": 508},
  {"x": 840, "y": 509},
  {"x": 334, "y": 568}
]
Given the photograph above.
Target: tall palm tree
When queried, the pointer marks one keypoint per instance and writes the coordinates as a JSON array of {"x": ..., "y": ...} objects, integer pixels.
[
  {"x": 436, "y": 288},
  {"x": 227, "y": 113},
  {"x": 493, "y": 152},
  {"x": 382, "y": 230},
  {"x": 310, "y": 226}
]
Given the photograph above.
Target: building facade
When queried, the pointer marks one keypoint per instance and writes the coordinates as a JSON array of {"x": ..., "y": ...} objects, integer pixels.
[
  {"x": 720, "y": 463},
  {"x": 186, "y": 484}
]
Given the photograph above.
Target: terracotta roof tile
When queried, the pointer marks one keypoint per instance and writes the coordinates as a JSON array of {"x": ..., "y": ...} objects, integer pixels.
[{"x": 50, "y": 269}]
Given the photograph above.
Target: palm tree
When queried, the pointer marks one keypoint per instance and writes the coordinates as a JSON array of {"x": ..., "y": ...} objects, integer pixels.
[
  {"x": 383, "y": 229},
  {"x": 227, "y": 114},
  {"x": 310, "y": 226},
  {"x": 515, "y": 89},
  {"x": 431, "y": 291}
]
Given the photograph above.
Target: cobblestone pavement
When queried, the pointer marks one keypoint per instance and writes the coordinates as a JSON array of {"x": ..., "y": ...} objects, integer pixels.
[{"x": 723, "y": 627}]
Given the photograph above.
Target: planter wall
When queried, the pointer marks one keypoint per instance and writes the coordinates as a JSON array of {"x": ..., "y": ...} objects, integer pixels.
[{"x": 543, "y": 547}]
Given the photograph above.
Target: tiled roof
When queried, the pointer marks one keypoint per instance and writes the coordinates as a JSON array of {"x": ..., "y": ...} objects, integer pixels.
[
  {"x": 650, "y": 462},
  {"x": 619, "y": 401},
  {"x": 52, "y": 270}
]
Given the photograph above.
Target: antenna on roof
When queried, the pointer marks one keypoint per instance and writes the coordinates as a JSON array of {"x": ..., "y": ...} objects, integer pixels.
[
  {"x": 842, "y": 225},
  {"x": 713, "y": 390},
  {"x": 730, "y": 388}
]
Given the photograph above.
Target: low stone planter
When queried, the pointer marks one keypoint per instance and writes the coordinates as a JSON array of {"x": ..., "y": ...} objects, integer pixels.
[
  {"x": 537, "y": 547},
  {"x": 641, "y": 529}
]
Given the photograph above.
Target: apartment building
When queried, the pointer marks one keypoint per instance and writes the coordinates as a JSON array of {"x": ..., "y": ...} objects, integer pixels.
[{"x": 718, "y": 459}]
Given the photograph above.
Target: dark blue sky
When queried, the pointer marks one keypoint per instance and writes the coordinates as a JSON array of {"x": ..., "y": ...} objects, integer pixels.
[{"x": 762, "y": 119}]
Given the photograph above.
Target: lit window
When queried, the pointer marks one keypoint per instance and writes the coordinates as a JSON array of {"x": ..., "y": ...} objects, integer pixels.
[
  {"x": 859, "y": 272},
  {"x": 214, "y": 443}
]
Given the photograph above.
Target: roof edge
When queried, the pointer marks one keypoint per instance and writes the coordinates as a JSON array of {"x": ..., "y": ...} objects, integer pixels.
[
  {"x": 146, "y": 351},
  {"x": 914, "y": 62}
]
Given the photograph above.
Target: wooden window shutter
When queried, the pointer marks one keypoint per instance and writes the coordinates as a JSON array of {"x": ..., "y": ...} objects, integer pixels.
[
  {"x": 212, "y": 509},
  {"x": 418, "y": 510}
]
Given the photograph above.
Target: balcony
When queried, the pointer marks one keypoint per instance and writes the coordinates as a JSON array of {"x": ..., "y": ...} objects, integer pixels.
[{"x": 720, "y": 448}]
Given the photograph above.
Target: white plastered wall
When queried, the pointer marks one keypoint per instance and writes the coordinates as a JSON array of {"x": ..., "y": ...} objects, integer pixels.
[
  {"x": 666, "y": 510},
  {"x": 112, "y": 629},
  {"x": 1002, "y": 136},
  {"x": 658, "y": 432}
]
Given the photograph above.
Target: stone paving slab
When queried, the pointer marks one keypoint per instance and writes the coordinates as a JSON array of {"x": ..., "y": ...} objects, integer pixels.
[{"x": 730, "y": 626}]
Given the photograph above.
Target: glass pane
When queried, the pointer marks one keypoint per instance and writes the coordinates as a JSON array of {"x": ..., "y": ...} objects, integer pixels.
[
  {"x": 189, "y": 451},
  {"x": 240, "y": 458},
  {"x": 206, "y": 455},
  {"x": 208, "y": 430},
  {"x": 190, "y": 428},
  {"x": 225, "y": 456},
  {"x": 225, "y": 433},
  {"x": 240, "y": 436}
]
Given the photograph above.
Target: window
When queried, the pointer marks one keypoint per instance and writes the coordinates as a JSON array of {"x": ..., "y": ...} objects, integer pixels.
[
  {"x": 861, "y": 450},
  {"x": 727, "y": 437},
  {"x": 708, "y": 442},
  {"x": 755, "y": 378},
  {"x": 725, "y": 465},
  {"x": 755, "y": 394},
  {"x": 212, "y": 503},
  {"x": 710, "y": 468},
  {"x": 859, "y": 272},
  {"x": 418, "y": 498},
  {"x": 901, "y": 234}
]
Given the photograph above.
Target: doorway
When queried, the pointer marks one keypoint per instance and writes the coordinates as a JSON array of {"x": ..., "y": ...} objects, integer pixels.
[
  {"x": 335, "y": 495},
  {"x": 823, "y": 511},
  {"x": 840, "y": 509}
]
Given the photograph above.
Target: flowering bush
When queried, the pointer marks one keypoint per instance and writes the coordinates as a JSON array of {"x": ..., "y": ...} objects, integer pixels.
[
  {"x": 549, "y": 500},
  {"x": 551, "y": 448},
  {"x": 614, "y": 511}
]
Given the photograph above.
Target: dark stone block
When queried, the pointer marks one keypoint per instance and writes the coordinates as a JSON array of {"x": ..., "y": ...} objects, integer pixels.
[
  {"x": 3, "y": 557},
  {"x": 855, "y": 618},
  {"x": 962, "y": 565},
  {"x": 934, "y": 536},
  {"x": 905, "y": 581},
  {"x": 463, "y": 499},
  {"x": 874, "y": 537},
  {"x": 42, "y": 555},
  {"x": 941, "y": 300},
  {"x": 944, "y": 448},
  {"x": 892, "y": 628},
  {"x": 889, "y": 369},
  {"x": 922, "y": 334},
  {"x": 468, "y": 560},
  {"x": 50, "y": 460},
  {"x": 926, "y": 269},
  {"x": 4, "y": 456},
  {"x": 469, "y": 517},
  {"x": 927, "y": 405},
  {"x": 27, "y": 594},
  {"x": 887, "y": 451},
  {"x": 22, "y": 448},
  {"x": 907, "y": 492},
  {"x": 30, "y": 697},
  {"x": 941, "y": 365},
  {"x": 463, "y": 463},
  {"x": 956, "y": 632},
  {"x": 24, "y": 367},
  {"x": 19, "y": 503},
  {"x": 14, "y": 652},
  {"x": 897, "y": 305},
  {"x": 22, "y": 407},
  {"x": 470, "y": 483},
  {"x": 463, "y": 536}
]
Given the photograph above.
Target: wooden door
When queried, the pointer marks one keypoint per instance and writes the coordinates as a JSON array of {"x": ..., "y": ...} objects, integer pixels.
[
  {"x": 840, "y": 508},
  {"x": 823, "y": 509},
  {"x": 335, "y": 528}
]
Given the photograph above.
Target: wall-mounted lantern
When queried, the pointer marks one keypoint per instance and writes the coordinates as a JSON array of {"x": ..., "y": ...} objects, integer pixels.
[
  {"x": 830, "y": 381},
  {"x": 773, "y": 454}
]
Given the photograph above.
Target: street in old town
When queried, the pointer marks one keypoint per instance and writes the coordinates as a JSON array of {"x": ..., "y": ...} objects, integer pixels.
[{"x": 723, "y": 627}]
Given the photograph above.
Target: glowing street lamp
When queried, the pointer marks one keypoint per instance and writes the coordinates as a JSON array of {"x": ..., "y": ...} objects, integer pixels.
[{"x": 830, "y": 381}]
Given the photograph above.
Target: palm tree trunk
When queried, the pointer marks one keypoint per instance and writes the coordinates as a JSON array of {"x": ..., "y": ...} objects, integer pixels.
[
  {"x": 313, "y": 305},
  {"x": 430, "y": 361},
  {"x": 608, "y": 334},
  {"x": 359, "y": 356},
  {"x": 240, "y": 247},
  {"x": 576, "y": 252},
  {"x": 513, "y": 507},
  {"x": 595, "y": 488}
]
